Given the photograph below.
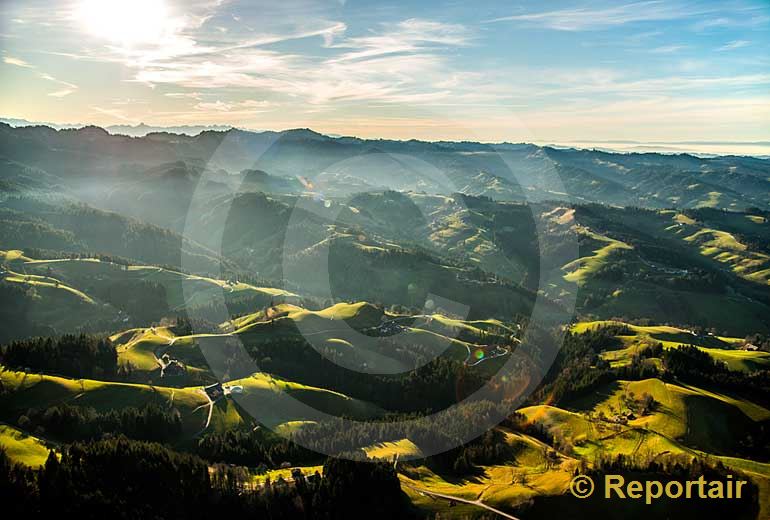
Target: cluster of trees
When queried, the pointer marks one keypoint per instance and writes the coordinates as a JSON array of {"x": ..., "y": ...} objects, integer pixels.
[
  {"x": 15, "y": 302},
  {"x": 143, "y": 300},
  {"x": 264, "y": 450},
  {"x": 434, "y": 385},
  {"x": 67, "y": 423},
  {"x": 491, "y": 448},
  {"x": 130, "y": 479},
  {"x": 578, "y": 367},
  {"x": 34, "y": 233},
  {"x": 51, "y": 254},
  {"x": 692, "y": 365},
  {"x": 260, "y": 449},
  {"x": 71, "y": 355},
  {"x": 185, "y": 326},
  {"x": 437, "y": 432}
]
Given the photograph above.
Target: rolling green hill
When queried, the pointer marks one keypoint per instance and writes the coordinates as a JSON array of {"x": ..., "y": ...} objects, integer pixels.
[
  {"x": 106, "y": 295},
  {"x": 724, "y": 349},
  {"x": 257, "y": 392},
  {"x": 355, "y": 331},
  {"x": 23, "y": 448}
]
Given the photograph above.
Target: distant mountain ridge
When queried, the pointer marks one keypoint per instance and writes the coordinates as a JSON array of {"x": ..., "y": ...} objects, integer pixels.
[
  {"x": 335, "y": 166},
  {"x": 138, "y": 130}
]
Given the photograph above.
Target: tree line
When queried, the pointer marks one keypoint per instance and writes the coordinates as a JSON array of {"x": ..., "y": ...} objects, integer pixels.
[
  {"x": 128, "y": 479},
  {"x": 72, "y": 355}
]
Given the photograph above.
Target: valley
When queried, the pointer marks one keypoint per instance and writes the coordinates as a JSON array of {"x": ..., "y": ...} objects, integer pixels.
[{"x": 481, "y": 335}]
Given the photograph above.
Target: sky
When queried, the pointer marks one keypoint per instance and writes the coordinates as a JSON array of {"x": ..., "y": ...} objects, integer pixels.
[{"x": 556, "y": 71}]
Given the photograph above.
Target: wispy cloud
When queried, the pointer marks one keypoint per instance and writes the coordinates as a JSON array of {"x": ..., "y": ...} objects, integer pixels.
[
  {"x": 615, "y": 84},
  {"x": 587, "y": 19},
  {"x": 668, "y": 49},
  {"x": 114, "y": 113},
  {"x": 8, "y": 60},
  {"x": 407, "y": 36},
  {"x": 62, "y": 93},
  {"x": 735, "y": 44},
  {"x": 249, "y": 105},
  {"x": 183, "y": 95},
  {"x": 68, "y": 89},
  {"x": 744, "y": 18},
  {"x": 399, "y": 62}
]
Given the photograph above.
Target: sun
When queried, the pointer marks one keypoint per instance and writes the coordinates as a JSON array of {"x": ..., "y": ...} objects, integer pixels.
[{"x": 127, "y": 22}]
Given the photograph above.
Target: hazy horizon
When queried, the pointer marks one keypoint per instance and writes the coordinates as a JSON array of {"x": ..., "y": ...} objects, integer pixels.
[{"x": 704, "y": 148}]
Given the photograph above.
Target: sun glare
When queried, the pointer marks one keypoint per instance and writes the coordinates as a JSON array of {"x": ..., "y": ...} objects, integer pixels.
[{"x": 128, "y": 22}]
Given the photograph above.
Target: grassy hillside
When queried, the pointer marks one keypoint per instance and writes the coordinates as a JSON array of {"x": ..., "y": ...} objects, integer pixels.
[
  {"x": 582, "y": 268},
  {"x": 671, "y": 268},
  {"x": 66, "y": 294},
  {"x": 684, "y": 415},
  {"x": 353, "y": 330},
  {"x": 527, "y": 475},
  {"x": 723, "y": 349},
  {"x": 22, "y": 447},
  {"x": 258, "y": 393}
]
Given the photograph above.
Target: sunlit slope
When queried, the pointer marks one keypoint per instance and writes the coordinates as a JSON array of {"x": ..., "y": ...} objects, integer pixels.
[
  {"x": 22, "y": 447},
  {"x": 269, "y": 400},
  {"x": 65, "y": 294},
  {"x": 693, "y": 417},
  {"x": 721, "y": 348},
  {"x": 579, "y": 270},
  {"x": 688, "y": 423},
  {"x": 181, "y": 289},
  {"x": 697, "y": 267},
  {"x": 726, "y": 249},
  {"x": 361, "y": 267},
  {"x": 392, "y": 450},
  {"x": 359, "y": 331},
  {"x": 347, "y": 323},
  {"x": 26, "y": 391},
  {"x": 51, "y": 303},
  {"x": 272, "y": 401},
  {"x": 527, "y": 474},
  {"x": 720, "y": 236}
]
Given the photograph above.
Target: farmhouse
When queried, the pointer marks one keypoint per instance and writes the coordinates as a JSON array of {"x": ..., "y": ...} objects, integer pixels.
[{"x": 214, "y": 391}]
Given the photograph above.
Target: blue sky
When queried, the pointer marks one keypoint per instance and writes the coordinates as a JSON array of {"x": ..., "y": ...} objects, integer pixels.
[{"x": 492, "y": 71}]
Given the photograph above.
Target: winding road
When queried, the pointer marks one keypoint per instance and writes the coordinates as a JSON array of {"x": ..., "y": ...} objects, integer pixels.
[
  {"x": 211, "y": 411},
  {"x": 478, "y": 503}
]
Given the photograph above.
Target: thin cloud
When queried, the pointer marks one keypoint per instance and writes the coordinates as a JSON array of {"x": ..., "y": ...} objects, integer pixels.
[
  {"x": 400, "y": 63},
  {"x": 61, "y": 93},
  {"x": 410, "y": 35},
  {"x": 735, "y": 44},
  {"x": 117, "y": 114},
  {"x": 8, "y": 60},
  {"x": 222, "y": 106},
  {"x": 68, "y": 89},
  {"x": 184, "y": 95},
  {"x": 587, "y": 19},
  {"x": 668, "y": 49}
]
